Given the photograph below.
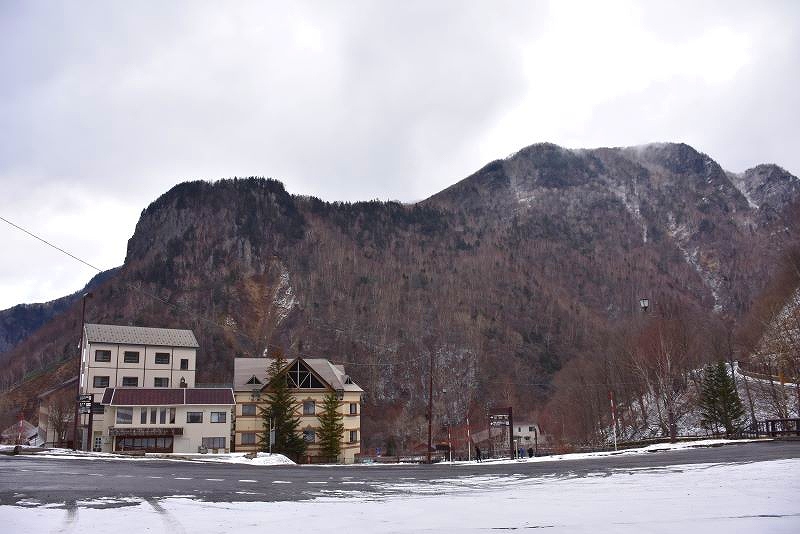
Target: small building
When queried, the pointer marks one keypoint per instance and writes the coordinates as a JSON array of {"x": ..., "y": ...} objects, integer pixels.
[
  {"x": 309, "y": 380},
  {"x": 20, "y": 433},
  {"x": 529, "y": 435},
  {"x": 167, "y": 420},
  {"x": 57, "y": 413}
]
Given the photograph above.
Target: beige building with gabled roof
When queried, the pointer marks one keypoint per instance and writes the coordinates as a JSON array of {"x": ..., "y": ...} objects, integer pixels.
[{"x": 309, "y": 379}]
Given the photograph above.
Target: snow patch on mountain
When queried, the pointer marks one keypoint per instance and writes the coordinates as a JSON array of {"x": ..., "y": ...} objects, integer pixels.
[
  {"x": 284, "y": 298},
  {"x": 737, "y": 179},
  {"x": 631, "y": 203},
  {"x": 681, "y": 235}
]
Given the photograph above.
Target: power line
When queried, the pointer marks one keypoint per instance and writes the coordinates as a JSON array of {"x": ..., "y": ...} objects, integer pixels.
[
  {"x": 199, "y": 318},
  {"x": 49, "y": 244}
]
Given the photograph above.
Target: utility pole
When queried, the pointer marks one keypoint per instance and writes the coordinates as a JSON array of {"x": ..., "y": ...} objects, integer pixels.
[
  {"x": 511, "y": 444},
  {"x": 80, "y": 372},
  {"x": 430, "y": 404},
  {"x": 469, "y": 443}
]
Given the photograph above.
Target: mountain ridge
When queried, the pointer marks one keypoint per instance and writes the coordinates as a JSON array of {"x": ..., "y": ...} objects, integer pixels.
[{"x": 510, "y": 272}]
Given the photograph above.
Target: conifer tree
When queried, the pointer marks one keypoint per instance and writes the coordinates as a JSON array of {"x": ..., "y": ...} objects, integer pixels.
[
  {"x": 281, "y": 412},
  {"x": 720, "y": 405},
  {"x": 331, "y": 428}
]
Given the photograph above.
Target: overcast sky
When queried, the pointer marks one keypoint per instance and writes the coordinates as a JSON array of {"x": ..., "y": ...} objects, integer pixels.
[{"x": 104, "y": 106}]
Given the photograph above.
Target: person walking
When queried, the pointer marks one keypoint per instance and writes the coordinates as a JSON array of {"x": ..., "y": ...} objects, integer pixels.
[{"x": 477, "y": 453}]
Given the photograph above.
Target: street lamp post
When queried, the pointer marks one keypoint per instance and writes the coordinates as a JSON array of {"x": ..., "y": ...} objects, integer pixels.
[{"x": 80, "y": 371}]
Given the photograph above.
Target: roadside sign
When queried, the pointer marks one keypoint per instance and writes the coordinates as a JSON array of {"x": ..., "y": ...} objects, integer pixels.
[{"x": 85, "y": 398}]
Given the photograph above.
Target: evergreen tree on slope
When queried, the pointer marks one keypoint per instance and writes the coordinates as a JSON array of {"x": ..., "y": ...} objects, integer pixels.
[{"x": 720, "y": 405}]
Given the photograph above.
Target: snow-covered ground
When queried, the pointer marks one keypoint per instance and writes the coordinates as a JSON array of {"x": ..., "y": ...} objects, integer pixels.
[
  {"x": 710, "y": 498},
  {"x": 262, "y": 458}
]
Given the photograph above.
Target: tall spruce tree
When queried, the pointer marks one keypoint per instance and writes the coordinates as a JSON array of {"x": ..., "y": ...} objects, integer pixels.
[
  {"x": 281, "y": 413},
  {"x": 331, "y": 428},
  {"x": 720, "y": 405}
]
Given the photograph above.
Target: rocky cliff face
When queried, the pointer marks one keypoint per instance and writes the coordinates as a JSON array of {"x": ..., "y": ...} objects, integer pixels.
[{"x": 502, "y": 277}]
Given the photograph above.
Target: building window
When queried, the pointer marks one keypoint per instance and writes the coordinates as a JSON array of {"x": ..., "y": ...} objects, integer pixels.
[
  {"x": 162, "y": 444},
  {"x": 248, "y": 438},
  {"x": 130, "y": 381},
  {"x": 172, "y": 416},
  {"x": 124, "y": 415},
  {"x": 248, "y": 409},
  {"x": 309, "y": 436},
  {"x": 153, "y": 414},
  {"x": 530, "y": 429},
  {"x": 162, "y": 357},
  {"x": 353, "y": 408},
  {"x": 184, "y": 364},
  {"x": 100, "y": 382},
  {"x": 308, "y": 407},
  {"x": 130, "y": 356},
  {"x": 102, "y": 355},
  {"x": 143, "y": 418},
  {"x": 160, "y": 382},
  {"x": 253, "y": 380},
  {"x": 162, "y": 416},
  {"x": 214, "y": 443},
  {"x": 353, "y": 436},
  {"x": 218, "y": 417},
  {"x": 194, "y": 417},
  {"x": 300, "y": 377}
]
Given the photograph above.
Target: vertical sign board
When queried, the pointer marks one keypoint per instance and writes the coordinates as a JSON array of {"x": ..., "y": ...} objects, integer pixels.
[
  {"x": 85, "y": 402},
  {"x": 505, "y": 419}
]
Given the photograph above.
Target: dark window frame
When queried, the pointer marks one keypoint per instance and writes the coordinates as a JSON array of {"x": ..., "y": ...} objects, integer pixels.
[
  {"x": 214, "y": 442},
  {"x": 189, "y": 418},
  {"x": 135, "y": 380},
  {"x": 105, "y": 353},
  {"x": 216, "y": 415},
  {"x": 124, "y": 411},
  {"x": 101, "y": 385},
  {"x": 161, "y": 378},
  {"x": 162, "y": 358},
  {"x": 130, "y": 356}
]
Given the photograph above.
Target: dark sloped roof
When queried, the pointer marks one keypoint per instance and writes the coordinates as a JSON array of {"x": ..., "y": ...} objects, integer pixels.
[
  {"x": 139, "y": 335},
  {"x": 167, "y": 396},
  {"x": 209, "y": 396}
]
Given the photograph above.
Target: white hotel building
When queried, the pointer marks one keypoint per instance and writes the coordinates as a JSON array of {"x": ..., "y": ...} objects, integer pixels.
[{"x": 143, "y": 383}]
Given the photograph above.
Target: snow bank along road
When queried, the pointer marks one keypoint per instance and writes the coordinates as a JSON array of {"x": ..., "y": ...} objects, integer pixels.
[{"x": 751, "y": 487}]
